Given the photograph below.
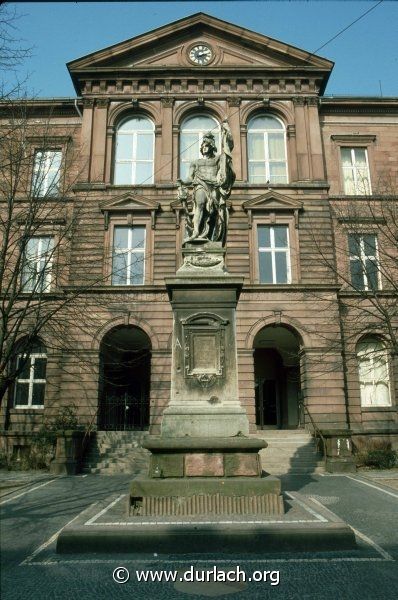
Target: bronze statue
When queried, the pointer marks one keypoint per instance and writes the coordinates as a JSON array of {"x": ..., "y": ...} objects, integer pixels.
[{"x": 212, "y": 178}]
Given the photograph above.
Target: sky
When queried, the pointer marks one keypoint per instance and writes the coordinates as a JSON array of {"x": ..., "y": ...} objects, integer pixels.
[{"x": 365, "y": 56}]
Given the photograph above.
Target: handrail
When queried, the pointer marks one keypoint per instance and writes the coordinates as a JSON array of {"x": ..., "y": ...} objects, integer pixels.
[{"x": 317, "y": 432}]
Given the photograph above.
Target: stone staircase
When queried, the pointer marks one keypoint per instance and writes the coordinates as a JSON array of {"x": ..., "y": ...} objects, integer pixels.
[
  {"x": 116, "y": 452},
  {"x": 291, "y": 451},
  {"x": 120, "y": 452}
]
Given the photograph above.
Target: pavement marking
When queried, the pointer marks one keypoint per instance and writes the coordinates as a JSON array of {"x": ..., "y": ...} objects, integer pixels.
[
  {"x": 189, "y": 523},
  {"x": 104, "y": 510},
  {"x": 27, "y": 491},
  {"x": 46, "y": 544},
  {"x": 366, "y": 539},
  {"x": 52, "y": 539},
  {"x": 371, "y": 542},
  {"x": 306, "y": 507},
  {"x": 376, "y": 487},
  {"x": 161, "y": 561}
]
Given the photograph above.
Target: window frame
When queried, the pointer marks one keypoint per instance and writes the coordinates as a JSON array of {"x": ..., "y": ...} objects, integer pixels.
[
  {"x": 362, "y": 257},
  {"x": 353, "y": 168},
  {"x": 383, "y": 352},
  {"x": 48, "y": 266},
  {"x": 200, "y": 134},
  {"x": 273, "y": 250},
  {"x": 129, "y": 221},
  {"x": 130, "y": 251},
  {"x": 36, "y": 172},
  {"x": 267, "y": 160},
  {"x": 273, "y": 220},
  {"x": 133, "y": 161},
  {"x": 31, "y": 381}
]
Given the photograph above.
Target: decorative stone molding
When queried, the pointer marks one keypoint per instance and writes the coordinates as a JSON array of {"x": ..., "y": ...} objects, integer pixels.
[
  {"x": 167, "y": 102},
  {"x": 130, "y": 204},
  {"x": 298, "y": 100},
  {"x": 272, "y": 202},
  {"x": 234, "y": 101},
  {"x": 102, "y": 102}
]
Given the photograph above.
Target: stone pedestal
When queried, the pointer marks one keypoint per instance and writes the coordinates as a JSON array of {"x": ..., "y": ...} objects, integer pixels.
[
  {"x": 204, "y": 460},
  {"x": 68, "y": 453}
]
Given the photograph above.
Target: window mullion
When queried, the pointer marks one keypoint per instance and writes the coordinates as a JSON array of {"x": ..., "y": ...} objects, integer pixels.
[{"x": 31, "y": 379}]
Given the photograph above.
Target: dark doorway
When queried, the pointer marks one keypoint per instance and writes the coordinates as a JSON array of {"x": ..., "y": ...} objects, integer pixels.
[
  {"x": 125, "y": 369},
  {"x": 266, "y": 403},
  {"x": 277, "y": 378}
]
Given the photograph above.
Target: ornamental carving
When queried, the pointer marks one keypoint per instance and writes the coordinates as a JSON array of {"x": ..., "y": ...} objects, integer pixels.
[{"x": 204, "y": 349}]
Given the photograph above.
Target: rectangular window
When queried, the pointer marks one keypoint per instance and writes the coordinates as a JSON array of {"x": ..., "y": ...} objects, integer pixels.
[
  {"x": 31, "y": 383},
  {"x": 356, "y": 174},
  {"x": 128, "y": 259},
  {"x": 46, "y": 173},
  {"x": 37, "y": 265},
  {"x": 273, "y": 254},
  {"x": 364, "y": 264}
]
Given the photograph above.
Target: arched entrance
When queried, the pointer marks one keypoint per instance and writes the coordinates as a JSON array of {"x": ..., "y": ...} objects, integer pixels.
[
  {"x": 125, "y": 371},
  {"x": 277, "y": 378}
]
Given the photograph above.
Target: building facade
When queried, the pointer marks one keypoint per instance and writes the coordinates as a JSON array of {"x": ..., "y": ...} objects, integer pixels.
[{"x": 310, "y": 229}]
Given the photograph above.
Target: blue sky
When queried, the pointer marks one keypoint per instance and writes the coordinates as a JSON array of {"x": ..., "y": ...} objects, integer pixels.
[{"x": 364, "y": 55}]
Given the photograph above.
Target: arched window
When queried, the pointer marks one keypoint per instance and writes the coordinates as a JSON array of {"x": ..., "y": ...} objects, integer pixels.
[
  {"x": 266, "y": 143},
  {"x": 374, "y": 378},
  {"x": 134, "y": 155},
  {"x": 31, "y": 380},
  {"x": 192, "y": 131}
]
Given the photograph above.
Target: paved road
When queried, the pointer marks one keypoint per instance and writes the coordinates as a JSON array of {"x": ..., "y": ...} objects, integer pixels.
[{"x": 30, "y": 520}]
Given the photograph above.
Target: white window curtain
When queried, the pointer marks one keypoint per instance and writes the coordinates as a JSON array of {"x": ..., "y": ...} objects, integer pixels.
[
  {"x": 356, "y": 174},
  {"x": 191, "y": 135},
  {"x": 134, "y": 156},
  {"x": 374, "y": 376},
  {"x": 266, "y": 150}
]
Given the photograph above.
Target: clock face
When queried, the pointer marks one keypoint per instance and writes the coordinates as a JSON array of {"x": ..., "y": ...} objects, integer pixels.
[{"x": 200, "y": 54}]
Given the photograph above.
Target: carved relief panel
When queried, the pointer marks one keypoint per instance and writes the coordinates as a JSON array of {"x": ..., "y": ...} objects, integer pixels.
[{"x": 204, "y": 349}]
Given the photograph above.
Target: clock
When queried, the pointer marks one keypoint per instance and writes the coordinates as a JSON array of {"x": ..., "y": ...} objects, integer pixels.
[{"x": 200, "y": 54}]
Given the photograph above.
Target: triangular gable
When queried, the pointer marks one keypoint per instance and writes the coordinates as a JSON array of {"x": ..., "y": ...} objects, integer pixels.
[
  {"x": 162, "y": 47},
  {"x": 130, "y": 203},
  {"x": 272, "y": 202}
]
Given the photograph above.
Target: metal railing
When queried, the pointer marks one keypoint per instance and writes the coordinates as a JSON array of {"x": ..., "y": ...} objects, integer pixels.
[{"x": 317, "y": 433}]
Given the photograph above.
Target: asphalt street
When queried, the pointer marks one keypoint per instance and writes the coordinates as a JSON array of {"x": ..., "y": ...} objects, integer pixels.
[{"x": 34, "y": 512}]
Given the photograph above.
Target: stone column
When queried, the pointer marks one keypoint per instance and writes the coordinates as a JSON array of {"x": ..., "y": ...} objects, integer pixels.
[
  {"x": 166, "y": 146},
  {"x": 234, "y": 123},
  {"x": 318, "y": 171},
  {"x": 99, "y": 141},
  {"x": 303, "y": 164},
  {"x": 85, "y": 139}
]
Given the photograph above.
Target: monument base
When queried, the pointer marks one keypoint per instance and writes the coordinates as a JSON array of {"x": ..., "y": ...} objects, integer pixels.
[
  {"x": 180, "y": 421},
  {"x": 306, "y": 527},
  {"x": 205, "y": 476}
]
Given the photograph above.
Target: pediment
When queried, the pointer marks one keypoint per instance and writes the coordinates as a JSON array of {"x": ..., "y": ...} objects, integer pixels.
[
  {"x": 167, "y": 47},
  {"x": 272, "y": 201},
  {"x": 129, "y": 204}
]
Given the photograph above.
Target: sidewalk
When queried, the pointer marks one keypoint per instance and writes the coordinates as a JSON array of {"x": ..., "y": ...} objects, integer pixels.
[
  {"x": 387, "y": 477},
  {"x": 11, "y": 481}
]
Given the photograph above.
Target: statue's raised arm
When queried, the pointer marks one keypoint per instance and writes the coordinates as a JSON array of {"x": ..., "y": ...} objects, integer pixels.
[{"x": 212, "y": 178}]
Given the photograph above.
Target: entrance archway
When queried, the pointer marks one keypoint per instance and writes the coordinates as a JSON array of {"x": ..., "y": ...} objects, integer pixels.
[
  {"x": 125, "y": 372},
  {"x": 277, "y": 378}
]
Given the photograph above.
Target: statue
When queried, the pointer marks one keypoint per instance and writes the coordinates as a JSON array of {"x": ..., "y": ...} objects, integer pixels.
[{"x": 212, "y": 178}]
